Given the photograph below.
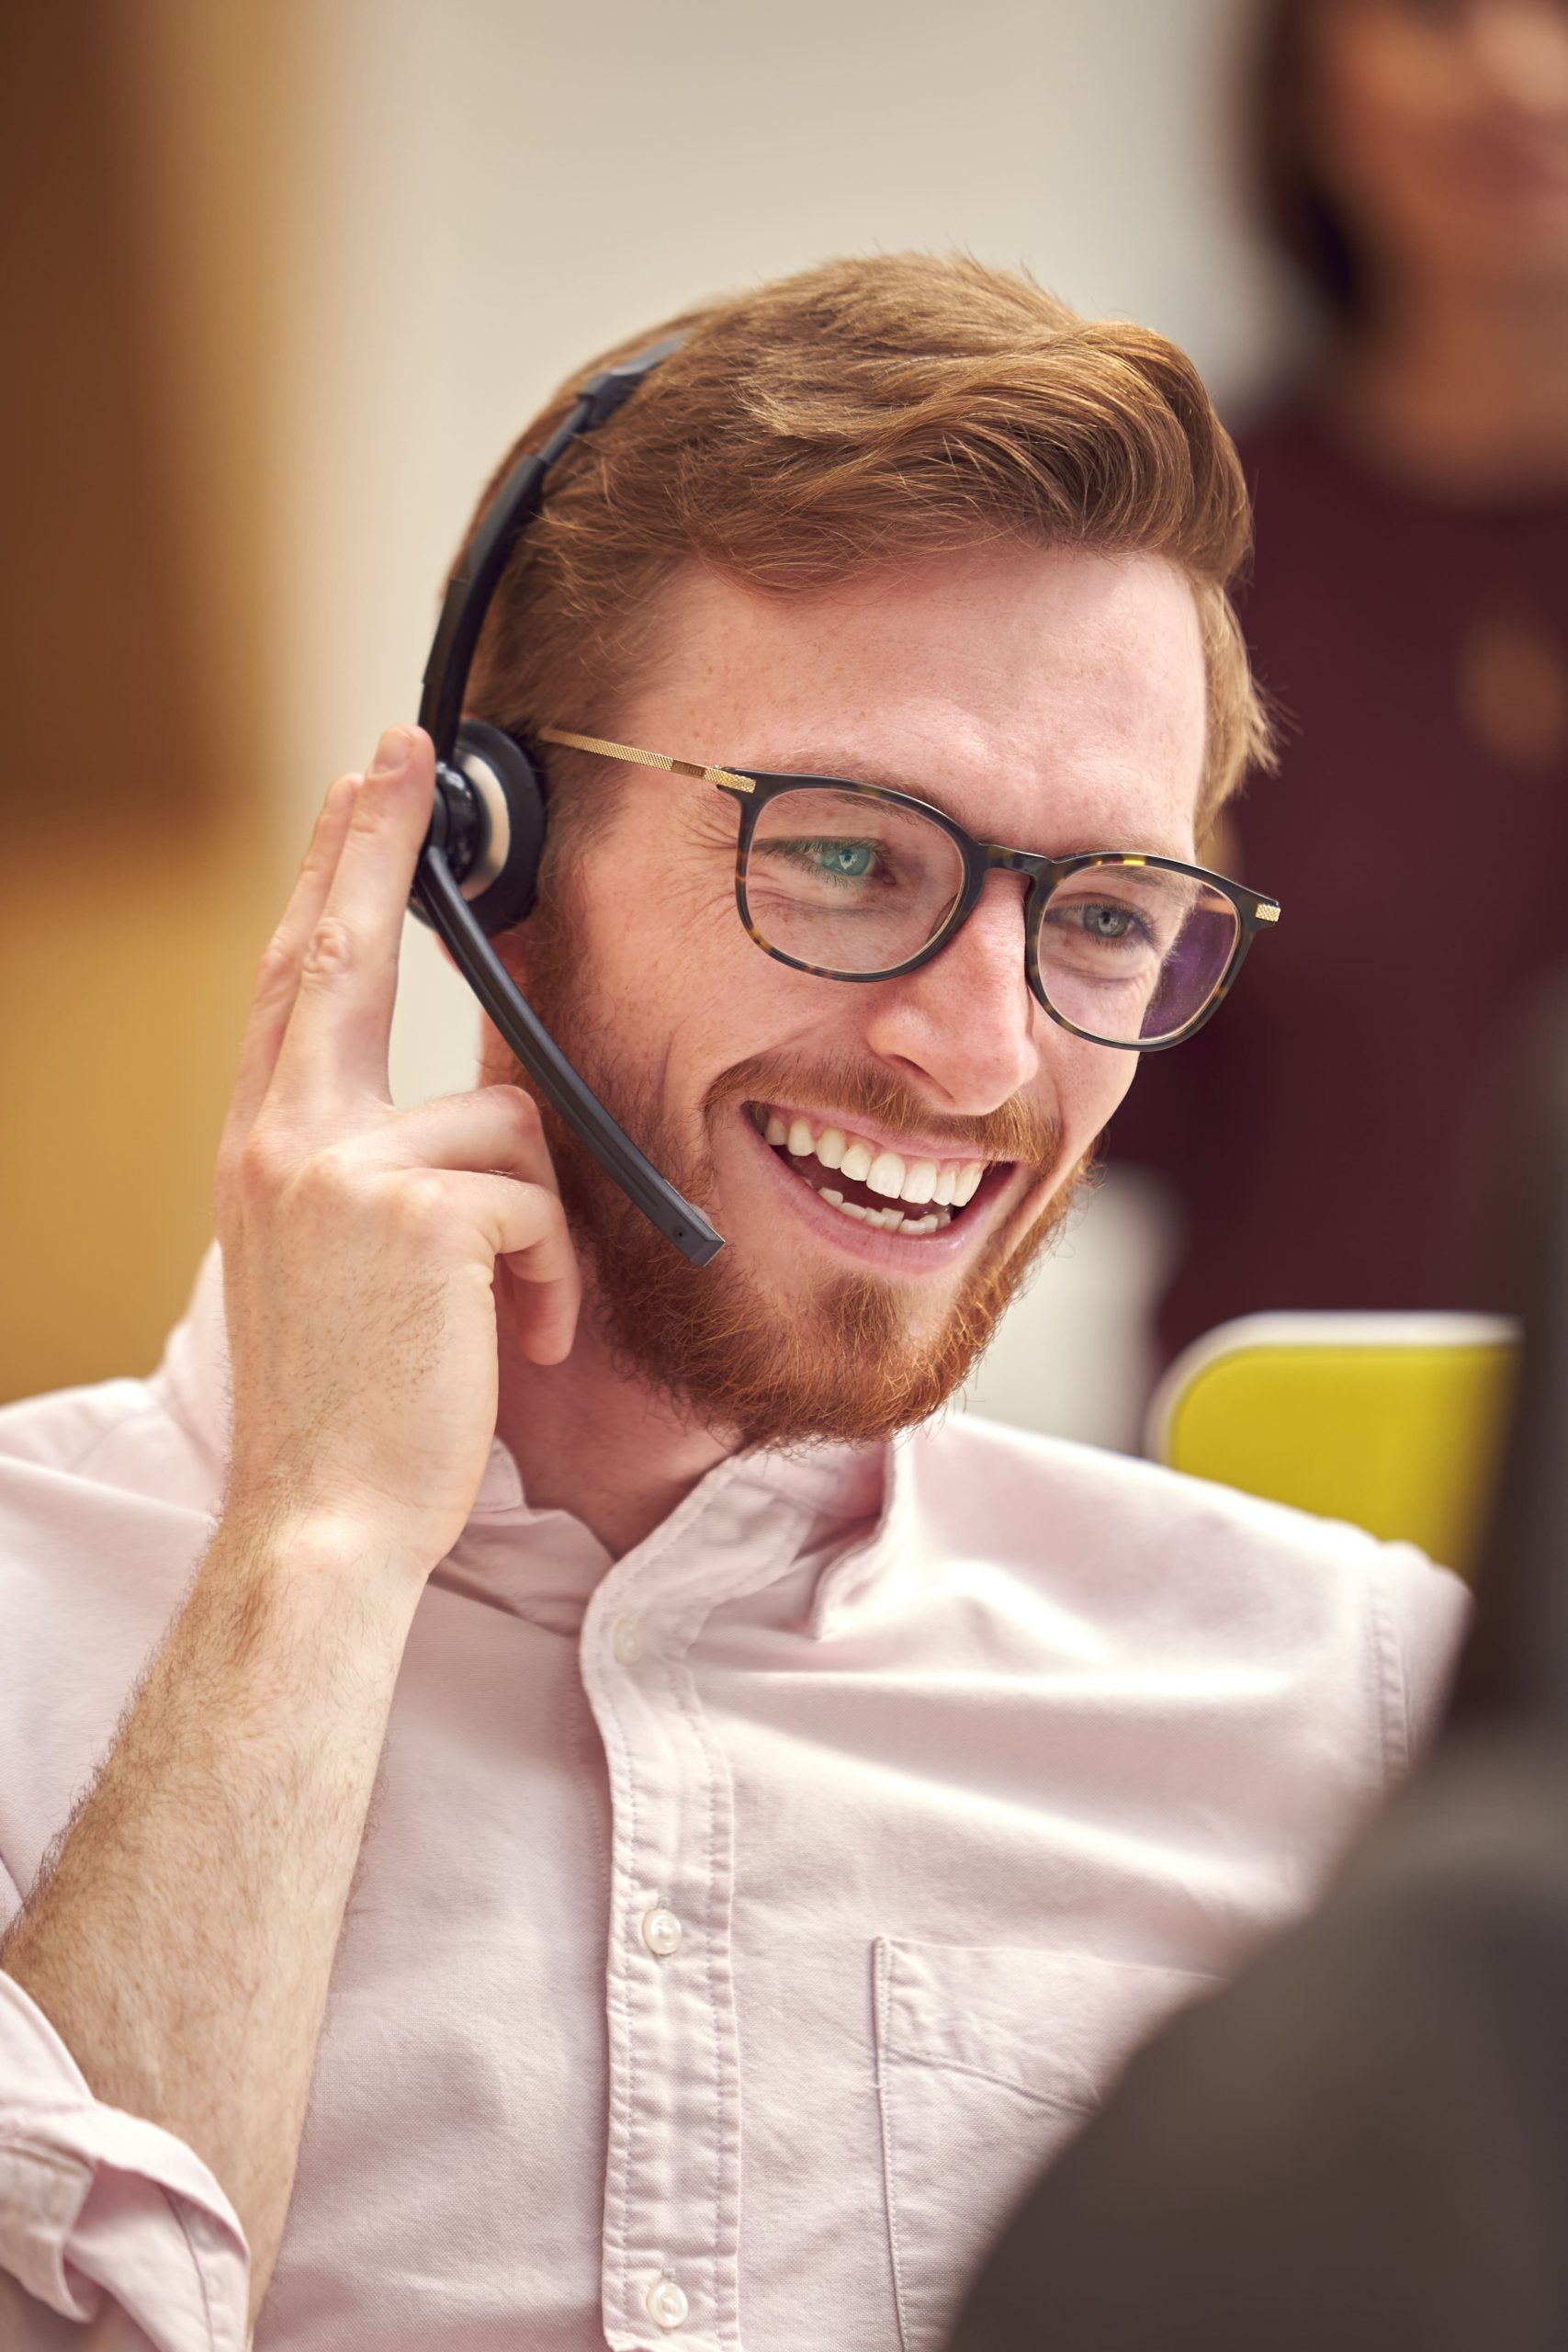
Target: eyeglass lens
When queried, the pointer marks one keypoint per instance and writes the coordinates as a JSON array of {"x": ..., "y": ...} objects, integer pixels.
[{"x": 853, "y": 886}]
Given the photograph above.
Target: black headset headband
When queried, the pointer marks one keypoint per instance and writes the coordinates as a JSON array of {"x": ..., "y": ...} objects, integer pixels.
[{"x": 489, "y": 786}]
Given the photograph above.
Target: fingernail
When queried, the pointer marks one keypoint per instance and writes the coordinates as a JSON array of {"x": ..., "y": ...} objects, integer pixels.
[{"x": 391, "y": 751}]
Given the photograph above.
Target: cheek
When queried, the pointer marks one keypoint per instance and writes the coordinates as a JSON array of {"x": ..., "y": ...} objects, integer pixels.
[
  {"x": 1384, "y": 102},
  {"x": 1092, "y": 1083},
  {"x": 672, "y": 971}
]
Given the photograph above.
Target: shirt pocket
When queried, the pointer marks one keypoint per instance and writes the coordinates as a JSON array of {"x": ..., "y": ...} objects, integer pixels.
[{"x": 987, "y": 2060}]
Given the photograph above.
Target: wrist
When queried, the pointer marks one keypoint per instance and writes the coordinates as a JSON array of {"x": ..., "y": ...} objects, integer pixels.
[{"x": 315, "y": 1563}]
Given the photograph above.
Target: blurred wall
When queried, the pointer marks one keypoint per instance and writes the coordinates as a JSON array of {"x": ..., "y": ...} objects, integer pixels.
[
  {"x": 139, "y": 146},
  {"x": 463, "y": 198}
]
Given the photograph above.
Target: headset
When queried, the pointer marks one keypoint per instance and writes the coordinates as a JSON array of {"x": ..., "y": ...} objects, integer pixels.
[{"x": 479, "y": 867}]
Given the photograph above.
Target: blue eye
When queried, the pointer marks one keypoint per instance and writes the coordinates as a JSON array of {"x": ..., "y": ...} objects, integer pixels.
[
  {"x": 826, "y": 858},
  {"x": 850, "y": 859}
]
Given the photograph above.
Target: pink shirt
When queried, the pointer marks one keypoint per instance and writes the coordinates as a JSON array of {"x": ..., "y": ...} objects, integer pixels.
[{"x": 740, "y": 1923}]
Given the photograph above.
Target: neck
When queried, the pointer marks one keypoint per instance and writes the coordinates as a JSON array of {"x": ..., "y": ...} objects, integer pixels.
[
  {"x": 590, "y": 1439},
  {"x": 1462, "y": 387}
]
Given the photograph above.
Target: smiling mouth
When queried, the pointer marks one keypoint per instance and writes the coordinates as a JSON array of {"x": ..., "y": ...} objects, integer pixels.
[{"x": 886, "y": 1191}]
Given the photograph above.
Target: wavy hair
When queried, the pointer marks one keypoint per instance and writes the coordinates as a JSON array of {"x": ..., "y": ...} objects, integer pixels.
[{"x": 864, "y": 413}]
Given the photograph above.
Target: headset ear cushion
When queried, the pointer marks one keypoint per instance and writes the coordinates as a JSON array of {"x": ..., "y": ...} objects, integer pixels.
[{"x": 510, "y": 783}]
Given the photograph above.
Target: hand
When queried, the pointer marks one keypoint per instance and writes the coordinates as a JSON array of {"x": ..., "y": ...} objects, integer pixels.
[{"x": 360, "y": 1243}]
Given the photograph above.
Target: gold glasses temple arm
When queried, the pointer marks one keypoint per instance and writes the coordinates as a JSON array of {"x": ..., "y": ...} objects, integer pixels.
[{"x": 728, "y": 777}]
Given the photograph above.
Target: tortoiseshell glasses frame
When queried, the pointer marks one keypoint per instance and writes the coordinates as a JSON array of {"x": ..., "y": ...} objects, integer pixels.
[{"x": 753, "y": 789}]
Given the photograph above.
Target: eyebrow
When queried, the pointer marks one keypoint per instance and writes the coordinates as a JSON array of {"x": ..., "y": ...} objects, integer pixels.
[{"x": 830, "y": 768}]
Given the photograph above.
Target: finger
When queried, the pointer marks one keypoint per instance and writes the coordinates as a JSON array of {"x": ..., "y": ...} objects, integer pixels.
[
  {"x": 491, "y": 1128},
  {"x": 337, "y": 1032},
  {"x": 277, "y": 979},
  {"x": 523, "y": 1227}
]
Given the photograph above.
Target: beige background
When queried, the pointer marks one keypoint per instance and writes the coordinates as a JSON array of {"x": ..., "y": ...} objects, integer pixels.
[{"x": 383, "y": 230}]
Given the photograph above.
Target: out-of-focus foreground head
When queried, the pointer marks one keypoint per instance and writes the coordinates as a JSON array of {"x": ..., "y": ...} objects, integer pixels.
[
  {"x": 867, "y": 413},
  {"x": 1393, "y": 138}
]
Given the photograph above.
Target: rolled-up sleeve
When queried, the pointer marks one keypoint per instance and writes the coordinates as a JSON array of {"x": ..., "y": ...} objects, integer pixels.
[{"x": 106, "y": 2219}]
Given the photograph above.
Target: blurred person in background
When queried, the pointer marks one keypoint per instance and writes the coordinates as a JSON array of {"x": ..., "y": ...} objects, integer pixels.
[{"x": 1408, "y": 615}]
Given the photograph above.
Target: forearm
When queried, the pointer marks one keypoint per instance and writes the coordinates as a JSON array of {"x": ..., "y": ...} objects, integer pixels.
[
  {"x": 177, "y": 1950},
  {"x": 182, "y": 1940}
]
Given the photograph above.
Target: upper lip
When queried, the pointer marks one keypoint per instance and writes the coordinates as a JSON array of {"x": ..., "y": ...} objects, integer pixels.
[{"x": 885, "y": 1138}]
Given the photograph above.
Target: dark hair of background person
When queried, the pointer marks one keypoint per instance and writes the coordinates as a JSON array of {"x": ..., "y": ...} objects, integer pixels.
[{"x": 1290, "y": 193}]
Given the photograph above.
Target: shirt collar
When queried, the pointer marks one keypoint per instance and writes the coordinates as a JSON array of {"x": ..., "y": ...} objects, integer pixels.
[{"x": 893, "y": 1565}]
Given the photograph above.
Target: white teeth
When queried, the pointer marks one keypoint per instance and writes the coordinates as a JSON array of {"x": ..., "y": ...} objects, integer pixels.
[
  {"x": 885, "y": 1175},
  {"x": 886, "y": 1220},
  {"x": 856, "y": 1162}
]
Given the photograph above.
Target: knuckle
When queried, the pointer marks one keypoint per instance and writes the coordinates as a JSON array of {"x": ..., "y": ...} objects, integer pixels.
[
  {"x": 518, "y": 1105},
  {"x": 256, "y": 1167},
  {"x": 540, "y": 1220},
  {"x": 420, "y": 1205},
  {"x": 329, "y": 950},
  {"x": 326, "y": 1178}
]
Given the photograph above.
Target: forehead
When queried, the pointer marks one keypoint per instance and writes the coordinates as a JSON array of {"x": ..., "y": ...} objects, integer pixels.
[{"x": 1051, "y": 697}]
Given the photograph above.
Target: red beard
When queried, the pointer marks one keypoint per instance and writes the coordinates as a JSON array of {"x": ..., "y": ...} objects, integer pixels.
[{"x": 845, "y": 1366}]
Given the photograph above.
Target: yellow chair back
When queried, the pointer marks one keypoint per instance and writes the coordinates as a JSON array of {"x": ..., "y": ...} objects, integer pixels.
[{"x": 1392, "y": 1421}]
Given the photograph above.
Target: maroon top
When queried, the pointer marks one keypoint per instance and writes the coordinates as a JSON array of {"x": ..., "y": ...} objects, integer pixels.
[{"x": 1328, "y": 1132}]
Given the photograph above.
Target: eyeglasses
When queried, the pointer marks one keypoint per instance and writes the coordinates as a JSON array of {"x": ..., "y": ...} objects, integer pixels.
[{"x": 858, "y": 882}]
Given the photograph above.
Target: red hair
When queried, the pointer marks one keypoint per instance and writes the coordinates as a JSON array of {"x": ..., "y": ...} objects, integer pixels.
[{"x": 867, "y": 413}]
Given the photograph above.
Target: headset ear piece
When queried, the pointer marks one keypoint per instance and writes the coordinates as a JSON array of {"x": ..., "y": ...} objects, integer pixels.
[{"x": 508, "y": 785}]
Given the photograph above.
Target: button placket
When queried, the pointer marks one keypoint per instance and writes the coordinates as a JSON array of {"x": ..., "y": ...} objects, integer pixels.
[
  {"x": 673, "y": 2177},
  {"x": 664, "y": 2180}
]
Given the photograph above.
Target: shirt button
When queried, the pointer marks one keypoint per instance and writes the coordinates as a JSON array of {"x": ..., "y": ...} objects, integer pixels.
[
  {"x": 666, "y": 2305},
  {"x": 661, "y": 1932},
  {"x": 626, "y": 1641}
]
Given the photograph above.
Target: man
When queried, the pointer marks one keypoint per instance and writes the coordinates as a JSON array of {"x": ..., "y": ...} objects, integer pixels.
[{"x": 739, "y": 1848}]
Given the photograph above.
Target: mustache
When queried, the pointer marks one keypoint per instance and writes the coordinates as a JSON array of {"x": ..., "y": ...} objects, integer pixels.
[{"x": 1016, "y": 1130}]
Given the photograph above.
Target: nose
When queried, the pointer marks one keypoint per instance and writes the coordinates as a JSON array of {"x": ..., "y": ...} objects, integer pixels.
[{"x": 965, "y": 1027}]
